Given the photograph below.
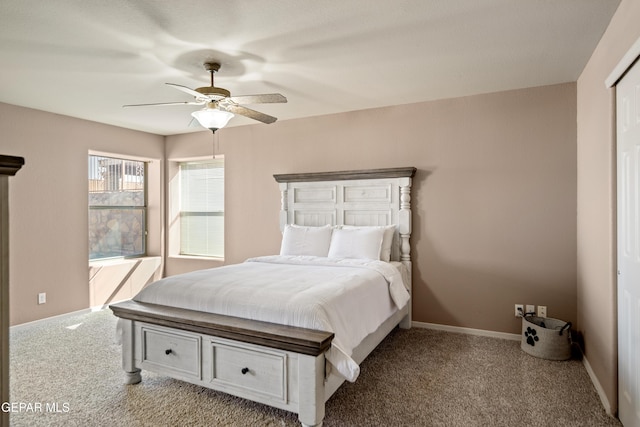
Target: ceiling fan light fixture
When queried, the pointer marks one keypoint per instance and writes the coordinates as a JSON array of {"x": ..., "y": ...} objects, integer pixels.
[
  {"x": 220, "y": 106},
  {"x": 212, "y": 118}
]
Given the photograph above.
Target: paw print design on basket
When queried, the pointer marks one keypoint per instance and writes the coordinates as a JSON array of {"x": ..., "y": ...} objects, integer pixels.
[{"x": 531, "y": 335}]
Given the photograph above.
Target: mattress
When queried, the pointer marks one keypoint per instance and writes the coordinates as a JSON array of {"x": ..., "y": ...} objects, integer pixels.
[{"x": 349, "y": 297}]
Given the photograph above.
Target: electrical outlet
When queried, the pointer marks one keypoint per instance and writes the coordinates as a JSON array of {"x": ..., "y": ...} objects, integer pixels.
[
  {"x": 519, "y": 311},
  {"x": 42, "y": 298},
  {"x": 531, "y": 309},
  {"x": 542, "y": 311}
]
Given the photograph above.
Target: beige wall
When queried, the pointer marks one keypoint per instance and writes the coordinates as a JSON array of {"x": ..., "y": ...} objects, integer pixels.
[
  {"x": 494, "y": 196},
  {"x": 48, "y": 204},
  {"x": 596, "y": 243}
]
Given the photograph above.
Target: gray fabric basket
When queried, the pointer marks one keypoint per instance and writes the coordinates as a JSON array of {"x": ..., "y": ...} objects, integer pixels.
[{"x": 546, "y": 337}]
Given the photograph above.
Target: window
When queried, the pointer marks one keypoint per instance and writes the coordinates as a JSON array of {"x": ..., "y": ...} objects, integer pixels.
[
  {"x": 117, "y": 207},
  {"x": 202, "y": 208}
]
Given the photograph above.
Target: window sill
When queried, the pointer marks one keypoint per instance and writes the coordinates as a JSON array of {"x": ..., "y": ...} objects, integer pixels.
[
  {"x": 121, "y": 260},
  {"x": 196, "y": 258}
]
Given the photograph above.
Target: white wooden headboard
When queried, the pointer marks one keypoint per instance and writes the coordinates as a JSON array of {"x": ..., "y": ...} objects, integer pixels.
[{"x": 362, "y": 198}]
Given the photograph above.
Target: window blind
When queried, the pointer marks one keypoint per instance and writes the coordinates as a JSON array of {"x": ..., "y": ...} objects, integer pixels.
[{"x": 202, "y": 208}]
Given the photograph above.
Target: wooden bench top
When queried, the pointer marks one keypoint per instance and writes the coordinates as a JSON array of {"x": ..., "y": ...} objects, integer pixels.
[{"x": 273, "y": 335}]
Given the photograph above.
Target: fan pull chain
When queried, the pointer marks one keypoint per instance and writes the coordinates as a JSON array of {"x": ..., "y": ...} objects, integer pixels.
[{"x": 213, "y": 144}]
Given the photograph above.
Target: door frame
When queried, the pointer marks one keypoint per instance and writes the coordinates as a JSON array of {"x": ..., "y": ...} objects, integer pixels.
[
  {"x": 625, "y": 63},
  {"x": 619, "y": 71}
]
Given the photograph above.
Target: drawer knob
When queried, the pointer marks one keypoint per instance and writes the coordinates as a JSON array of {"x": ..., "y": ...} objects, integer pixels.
[
  {"x": 168, "y": 351},
  {"x": 244, "y": 371}
]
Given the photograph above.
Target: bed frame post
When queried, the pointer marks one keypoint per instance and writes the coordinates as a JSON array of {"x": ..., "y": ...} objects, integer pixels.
[
  {"x": 404, "y": 220},
  {"x": 131, "y": 373},
  {"x": 311, "y": 396},
  {"x": 404, "y": 231},
  {"x": 283, "y": 206}
]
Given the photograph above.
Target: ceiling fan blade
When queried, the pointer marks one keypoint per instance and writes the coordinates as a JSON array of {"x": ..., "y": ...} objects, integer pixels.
[
  {"x": 190, "y": 91},
  {"x": 247, "y": 112},
  {"x": 267, "y": 98},
  {"x": 161, "y": 104}
]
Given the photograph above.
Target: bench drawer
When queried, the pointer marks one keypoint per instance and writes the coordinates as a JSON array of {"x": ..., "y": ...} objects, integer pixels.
[
  {"x": 250, "y": 369},
  {"x": 172, "y": 351}
]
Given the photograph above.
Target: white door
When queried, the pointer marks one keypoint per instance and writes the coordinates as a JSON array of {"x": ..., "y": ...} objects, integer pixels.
[{"x": 628, "y": 147}]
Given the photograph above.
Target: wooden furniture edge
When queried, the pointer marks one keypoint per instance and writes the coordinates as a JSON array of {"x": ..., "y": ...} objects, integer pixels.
[
  {"x": 282, "y": 337},
  {"x": 408, "y": 172},
  {"x": 10, "y": 165}
]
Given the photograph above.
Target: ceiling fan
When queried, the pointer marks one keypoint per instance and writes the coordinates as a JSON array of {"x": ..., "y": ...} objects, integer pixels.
[{"x": 219, "y": 105}]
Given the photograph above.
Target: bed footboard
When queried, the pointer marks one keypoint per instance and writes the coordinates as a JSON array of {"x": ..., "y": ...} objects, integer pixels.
[{"x": 278, "y": 365}]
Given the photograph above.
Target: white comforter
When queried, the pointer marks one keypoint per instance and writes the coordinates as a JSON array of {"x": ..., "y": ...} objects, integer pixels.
[{"x": 348, "y": 297}]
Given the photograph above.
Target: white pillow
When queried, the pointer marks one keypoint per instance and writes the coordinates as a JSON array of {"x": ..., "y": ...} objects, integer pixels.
[
  {"x": 387, "y": 239},
  {"x": 299, "y": 240},
  {"x": 362, "y": 243}
]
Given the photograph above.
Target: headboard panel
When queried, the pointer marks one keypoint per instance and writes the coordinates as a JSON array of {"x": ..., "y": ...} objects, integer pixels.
[{"x": 362, "y": 198}]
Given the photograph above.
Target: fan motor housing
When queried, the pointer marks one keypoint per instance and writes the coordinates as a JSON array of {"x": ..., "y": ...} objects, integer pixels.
[{"x": 213, "y": 91}]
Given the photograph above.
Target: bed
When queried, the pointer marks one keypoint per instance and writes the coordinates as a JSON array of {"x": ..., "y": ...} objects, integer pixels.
[{"x": 295, "y": 353}]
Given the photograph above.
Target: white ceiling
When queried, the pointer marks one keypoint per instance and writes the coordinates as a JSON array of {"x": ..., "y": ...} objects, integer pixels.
[{"x": 88, "y": 58}]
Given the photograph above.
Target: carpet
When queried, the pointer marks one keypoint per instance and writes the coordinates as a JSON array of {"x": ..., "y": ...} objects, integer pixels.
[{"x": 66, "y": 372}]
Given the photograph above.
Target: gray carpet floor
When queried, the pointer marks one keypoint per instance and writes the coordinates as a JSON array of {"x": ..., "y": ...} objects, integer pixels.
[{"x": 70, "y": 367}]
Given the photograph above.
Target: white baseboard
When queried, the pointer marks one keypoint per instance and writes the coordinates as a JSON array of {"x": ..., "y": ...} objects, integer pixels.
[
  {"x": 468, "y": 331},
  {"x": 598, "y": 386},
  {"x": 48, "y": 319}
]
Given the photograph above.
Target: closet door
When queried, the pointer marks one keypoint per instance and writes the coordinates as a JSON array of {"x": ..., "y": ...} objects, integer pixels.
[{"x": 628, "y": 161}]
